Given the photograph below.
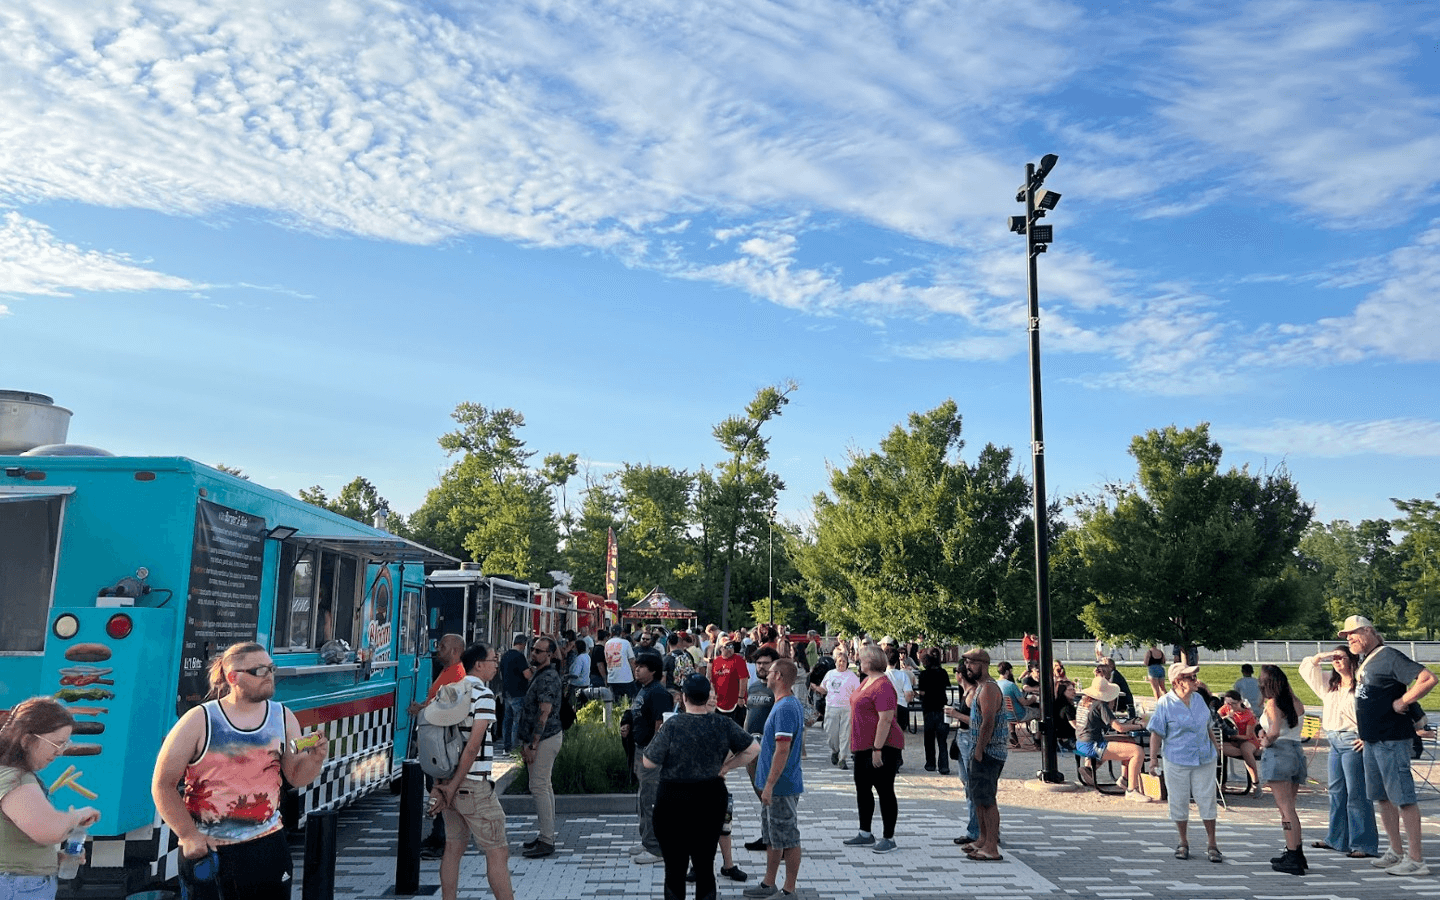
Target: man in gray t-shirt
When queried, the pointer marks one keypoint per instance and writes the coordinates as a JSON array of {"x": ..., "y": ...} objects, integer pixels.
[
  {"x": 1383, "y": 694},
  {"x": 758, "y": 701}
]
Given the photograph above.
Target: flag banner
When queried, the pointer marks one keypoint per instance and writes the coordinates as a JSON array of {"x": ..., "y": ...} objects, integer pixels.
[{"x": 612, "y": 569}]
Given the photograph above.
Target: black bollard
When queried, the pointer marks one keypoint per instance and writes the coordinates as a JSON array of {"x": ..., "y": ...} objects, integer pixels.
[
  {"x": 320, "y": 852},
  {"x": 412, "y": 815}
]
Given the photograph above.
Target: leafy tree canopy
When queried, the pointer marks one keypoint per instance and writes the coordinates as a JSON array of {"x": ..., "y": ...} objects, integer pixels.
[
  {"x": 1188, "y": 553},
  {"x": 358, "y": 500},
  {"x": 1419, "y": 554},
  {"x": 916, "y": 541},
  {"x": 490, "y": 506}
]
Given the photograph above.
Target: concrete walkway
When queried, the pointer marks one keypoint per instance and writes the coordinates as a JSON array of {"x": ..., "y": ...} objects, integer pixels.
[{"x": 1055, "y": 845}]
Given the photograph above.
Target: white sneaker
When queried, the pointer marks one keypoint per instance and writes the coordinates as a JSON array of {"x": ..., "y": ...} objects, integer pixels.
[
  {"x": 646, "y": 859},
  {"x": 1385, "y": 860},
  {"x": 1136, "y": 797},
  {"x": 1408, "y": 866}
]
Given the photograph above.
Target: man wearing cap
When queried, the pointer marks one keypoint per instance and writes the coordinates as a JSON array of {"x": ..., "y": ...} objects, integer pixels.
[
  {"x": 467, "y": 799},
  {"x": 1181, "y": 723},
  {"x": 1386, "y": 683},
  {"x": 987, "y": 761}
]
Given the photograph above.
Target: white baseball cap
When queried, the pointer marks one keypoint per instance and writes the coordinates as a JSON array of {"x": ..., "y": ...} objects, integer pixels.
[{"x": 450, "y": 706}]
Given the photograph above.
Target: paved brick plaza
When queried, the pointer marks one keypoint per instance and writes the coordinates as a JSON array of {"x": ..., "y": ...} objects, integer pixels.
[{"x": 1068, "y": 845}]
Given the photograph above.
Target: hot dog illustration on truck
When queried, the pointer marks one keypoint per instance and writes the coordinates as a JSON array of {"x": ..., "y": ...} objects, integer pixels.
[{"x": 120, "y": 578}]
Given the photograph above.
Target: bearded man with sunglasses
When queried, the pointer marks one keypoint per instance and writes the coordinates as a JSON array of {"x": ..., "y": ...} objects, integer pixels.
[{"x": 217, "y": 783}]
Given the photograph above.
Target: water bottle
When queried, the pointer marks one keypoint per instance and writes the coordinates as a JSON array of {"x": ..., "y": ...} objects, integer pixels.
[{"x": 73, "y": 848}]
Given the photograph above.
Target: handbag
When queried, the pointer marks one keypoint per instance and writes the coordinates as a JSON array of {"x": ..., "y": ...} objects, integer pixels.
[
  {"x": 1153, "y": 786},
  {"x": 954, "y": 748}
]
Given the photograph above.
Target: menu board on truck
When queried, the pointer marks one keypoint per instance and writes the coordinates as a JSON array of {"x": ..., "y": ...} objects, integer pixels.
[{"x": 224, "y": 603}]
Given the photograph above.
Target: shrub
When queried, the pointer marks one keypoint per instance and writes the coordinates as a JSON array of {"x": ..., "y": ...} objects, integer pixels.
[{"x": 591, "y": 760}]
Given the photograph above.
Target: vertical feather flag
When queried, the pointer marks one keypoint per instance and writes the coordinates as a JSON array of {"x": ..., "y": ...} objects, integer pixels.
[{"x": 612, "y": 571}]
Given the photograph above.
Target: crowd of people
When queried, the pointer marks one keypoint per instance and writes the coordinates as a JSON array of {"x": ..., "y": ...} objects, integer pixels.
[{"x": 706, "y": 704}]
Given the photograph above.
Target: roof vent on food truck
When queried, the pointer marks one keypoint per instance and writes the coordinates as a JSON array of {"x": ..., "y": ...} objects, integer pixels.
[
  {"x": 470, "y": 567},
  {"x": 29, "y": 420}
]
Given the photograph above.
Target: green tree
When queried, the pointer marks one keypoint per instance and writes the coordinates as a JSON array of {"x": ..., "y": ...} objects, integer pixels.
[
  {"x": 1419, "y": 554},
  {"x": 654, "y": 541},
  {"x": 588, "y": 537},
  {"x": 232, "y": 470},
  {"x": 1355, "y": 570},
  {"x": 490, "y": 505},
  {"x": 737, "y": 501},
  {"x": 1188, "y": 554},
  {"x": 358, "y": 500},
  {"x": 916, "y": 541}
]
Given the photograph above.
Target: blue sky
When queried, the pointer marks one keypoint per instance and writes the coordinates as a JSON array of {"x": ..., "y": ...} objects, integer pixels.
[{"x": 293, "y": 238}]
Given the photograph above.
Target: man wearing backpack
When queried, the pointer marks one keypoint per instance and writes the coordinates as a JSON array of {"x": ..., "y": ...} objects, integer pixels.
[
  {"x": 541, "y": 735},
  {"x": 467, "y": 798},
  {"x": 679, "y": 663}
]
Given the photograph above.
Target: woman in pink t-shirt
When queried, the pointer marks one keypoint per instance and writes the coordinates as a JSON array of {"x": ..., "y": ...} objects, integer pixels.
[{"x": 876, "y": 741}]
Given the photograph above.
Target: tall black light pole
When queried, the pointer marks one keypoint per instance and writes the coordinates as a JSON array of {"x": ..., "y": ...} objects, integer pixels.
[{"x": 1037, "y": 239}]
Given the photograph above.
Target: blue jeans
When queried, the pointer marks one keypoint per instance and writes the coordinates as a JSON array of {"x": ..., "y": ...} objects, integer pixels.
[
  {"x": 966, "y": 739},
  {"x": 1352, "y": 815},
  {"x": 27, "y": 887},
  {"x": 509, "y": 740}
]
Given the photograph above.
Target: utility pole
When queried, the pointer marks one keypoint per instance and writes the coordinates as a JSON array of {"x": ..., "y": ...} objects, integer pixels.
[{"x": 1037, "y": 240}]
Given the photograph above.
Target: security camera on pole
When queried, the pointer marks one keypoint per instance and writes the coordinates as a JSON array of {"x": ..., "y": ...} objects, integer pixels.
[{"x": 1037, "y": 239}]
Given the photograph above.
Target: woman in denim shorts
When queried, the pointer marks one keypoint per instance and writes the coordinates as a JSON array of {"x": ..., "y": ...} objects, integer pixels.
[{"x": 1283, "y": 765}]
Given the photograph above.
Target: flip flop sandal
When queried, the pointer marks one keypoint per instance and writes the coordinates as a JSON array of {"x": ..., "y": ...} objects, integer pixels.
[
  {"x": 1213, "y": 854},
  {"x": 1321, "y": 845},
  {"x": 1359, "y": 854},
  {"x": 1182, "y": 851},
  {"x": 985, "y": 857}
]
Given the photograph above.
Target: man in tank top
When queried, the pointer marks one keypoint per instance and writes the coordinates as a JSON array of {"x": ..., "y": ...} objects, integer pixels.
[{"x": 217, "y": 783}]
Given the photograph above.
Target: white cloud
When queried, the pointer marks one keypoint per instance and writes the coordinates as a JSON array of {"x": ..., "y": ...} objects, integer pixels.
[
  {"x": 709, "y": 141},
  {"x": 1314, "y": 100},
  {"x": 33, "y": 261},
  {"x": 1388, "y": 437},
  {"x": 1399, "y": 320}
]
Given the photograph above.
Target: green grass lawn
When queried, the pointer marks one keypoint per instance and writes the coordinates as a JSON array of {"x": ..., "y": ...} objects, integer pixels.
[{"x": 1220, "y": 677}]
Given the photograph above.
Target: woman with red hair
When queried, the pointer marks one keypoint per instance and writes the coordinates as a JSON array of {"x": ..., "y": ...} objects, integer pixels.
[{"x": 34, "y": 734}]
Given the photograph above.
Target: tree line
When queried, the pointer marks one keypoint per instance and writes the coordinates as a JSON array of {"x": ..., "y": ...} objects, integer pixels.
[{"x": 911, "y": 538}]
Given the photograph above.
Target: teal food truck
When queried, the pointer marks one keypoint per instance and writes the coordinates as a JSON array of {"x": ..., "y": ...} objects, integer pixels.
[{"x": 120, "y": 577}]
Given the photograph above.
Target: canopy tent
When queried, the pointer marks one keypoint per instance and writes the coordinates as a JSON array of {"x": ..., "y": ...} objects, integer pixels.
[{"x": 658, "y": 605}]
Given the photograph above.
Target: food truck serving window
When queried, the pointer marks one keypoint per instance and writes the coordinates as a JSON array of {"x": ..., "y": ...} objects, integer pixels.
[
  {"x": 316, "y": 598},
  {"x": 29, "y": 542}
]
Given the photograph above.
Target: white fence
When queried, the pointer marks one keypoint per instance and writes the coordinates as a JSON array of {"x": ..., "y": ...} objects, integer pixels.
[{"x": 1083, "y": 651}]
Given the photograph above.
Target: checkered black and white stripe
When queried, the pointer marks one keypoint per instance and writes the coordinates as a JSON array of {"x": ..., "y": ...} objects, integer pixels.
[{"x": 361, "y": 759}]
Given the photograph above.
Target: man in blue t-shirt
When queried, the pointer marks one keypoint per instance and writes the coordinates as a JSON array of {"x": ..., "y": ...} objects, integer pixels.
[{"x": 778, "y": 778}]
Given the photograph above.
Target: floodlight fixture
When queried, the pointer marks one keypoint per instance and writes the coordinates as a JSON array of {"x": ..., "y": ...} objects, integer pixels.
[
  {"x": 1043, "y": 234},
  {"x": 1047, "y": 199},
  {"x": 1047, "y": 162},
  {"x": 281, "y": 532},
  {"x": 1017, "y": 224}
]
